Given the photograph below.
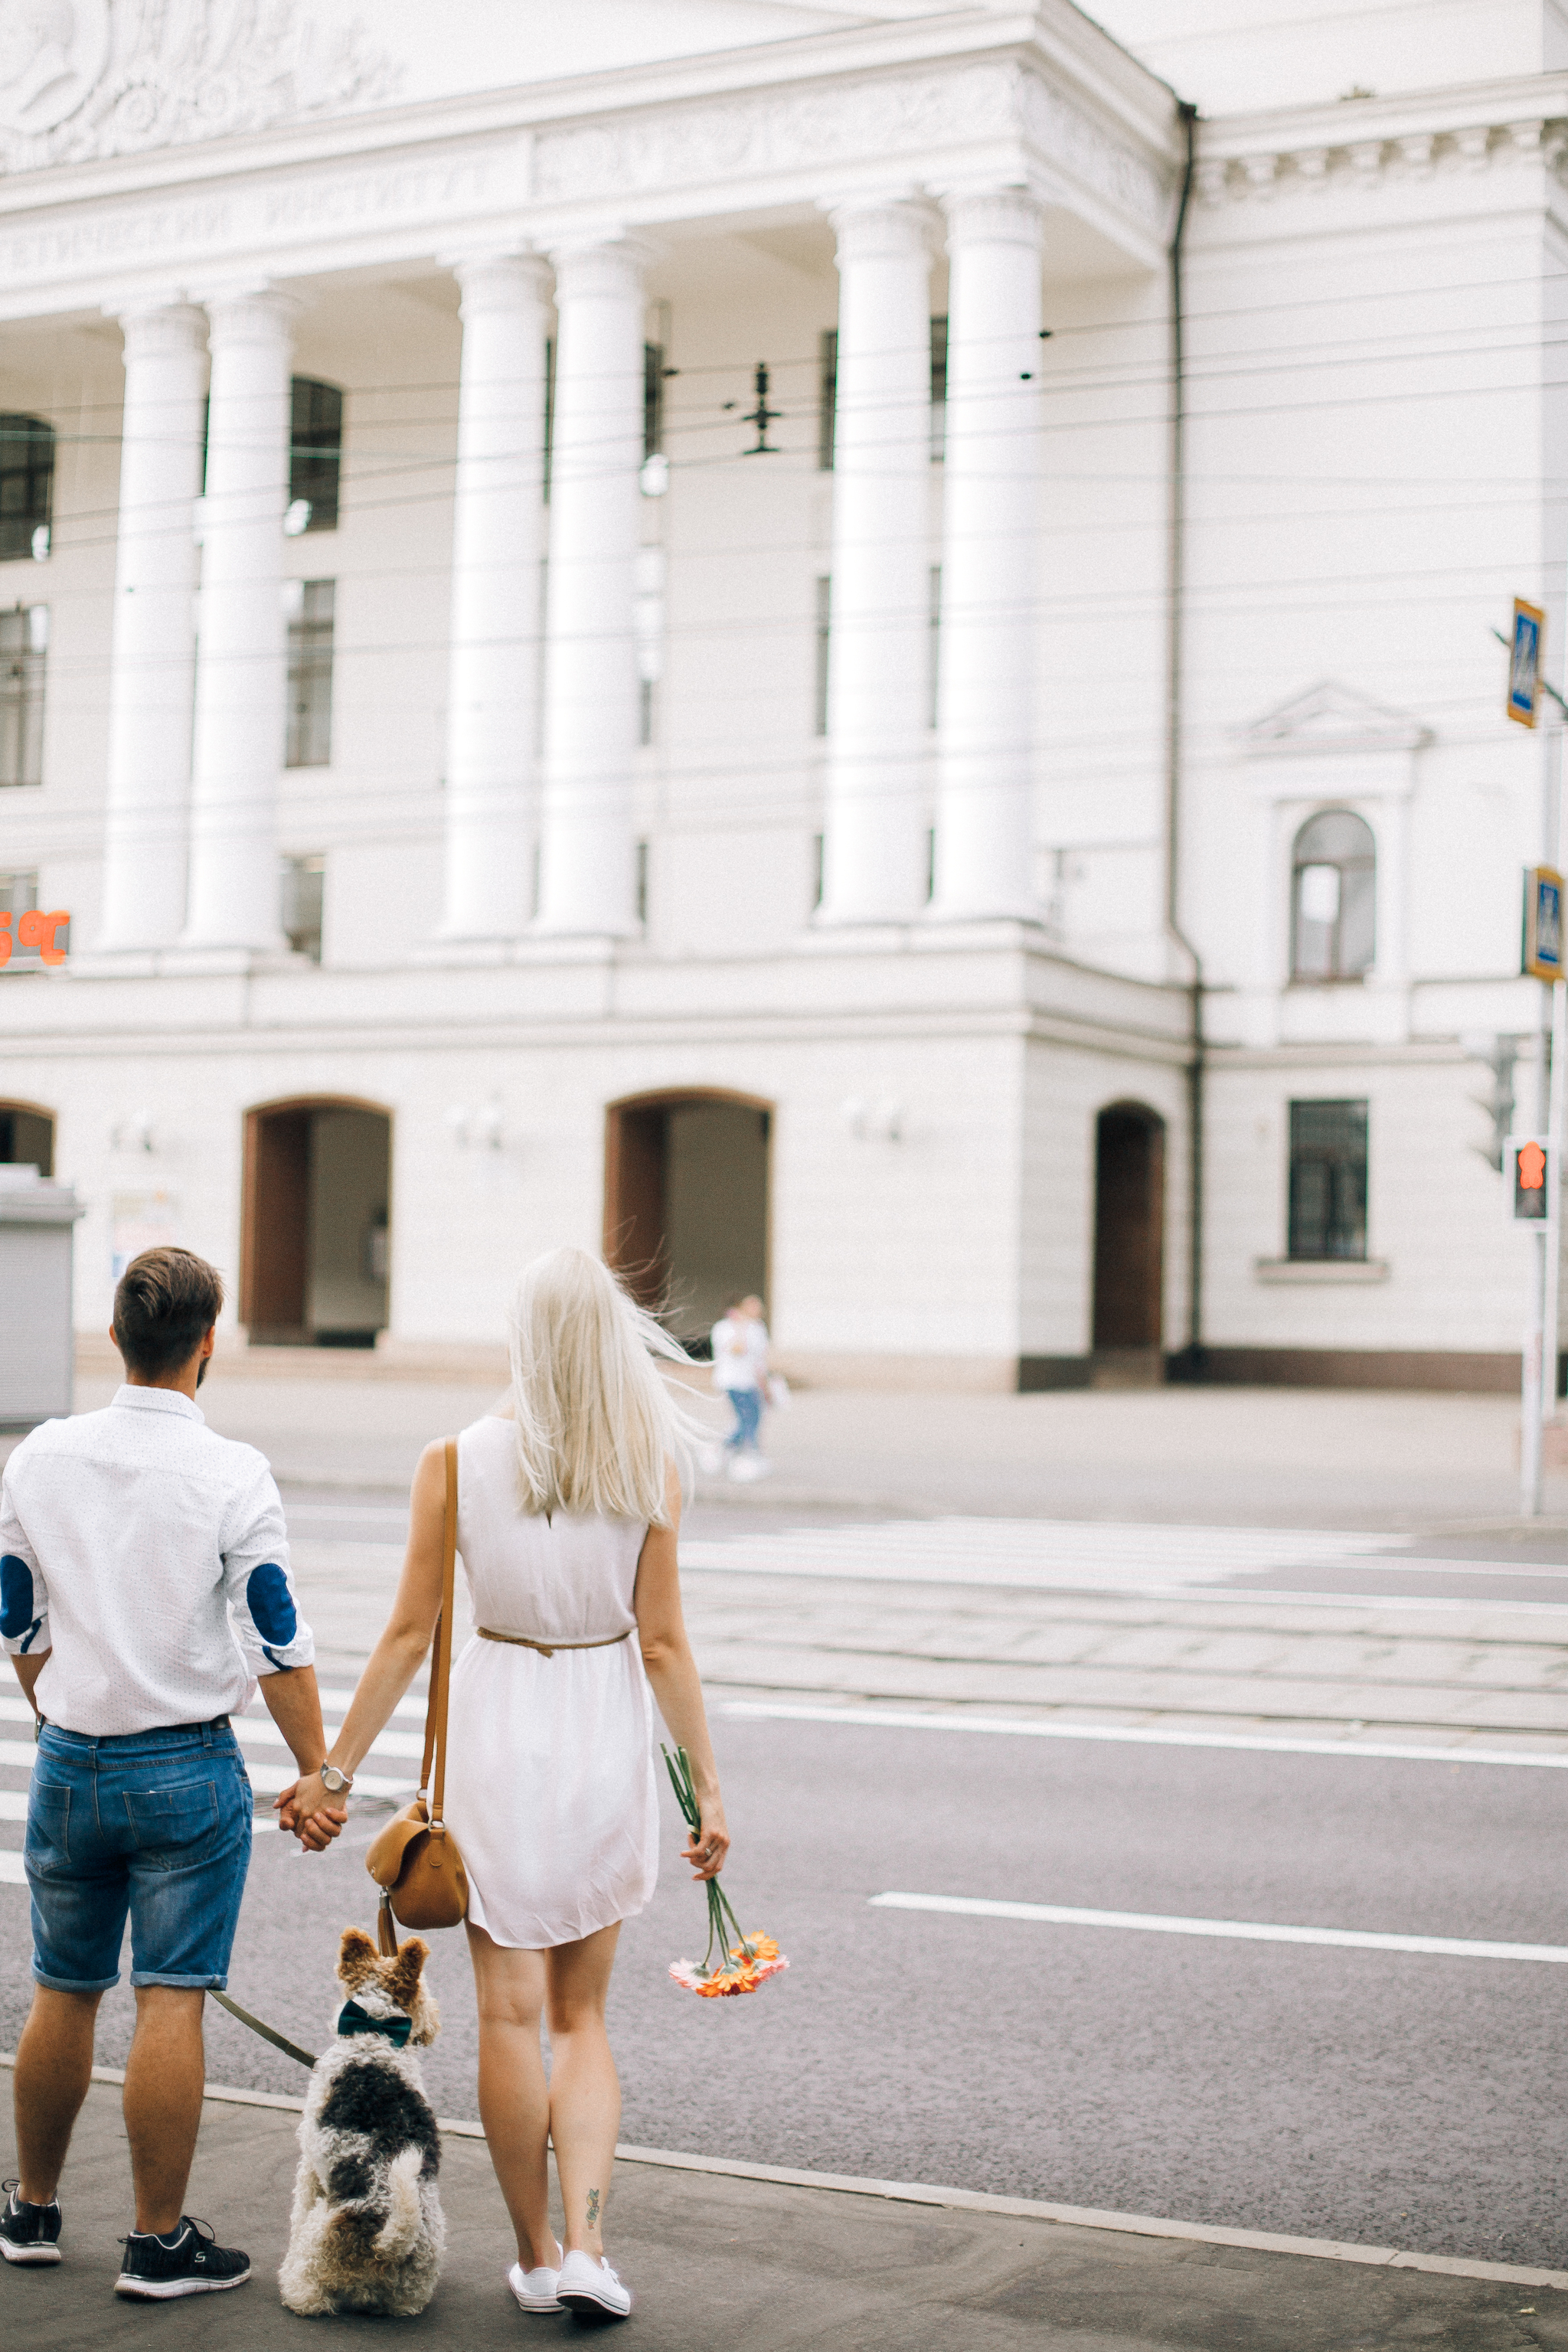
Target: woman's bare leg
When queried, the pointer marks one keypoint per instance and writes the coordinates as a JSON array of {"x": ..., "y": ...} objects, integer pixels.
[
  {"x": 584, "y": 2089},
  {"x": 514, "y": 2102}
]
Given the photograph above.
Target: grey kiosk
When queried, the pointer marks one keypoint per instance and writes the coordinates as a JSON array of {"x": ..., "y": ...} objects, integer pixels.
[{"x": 37, "y": 1340}]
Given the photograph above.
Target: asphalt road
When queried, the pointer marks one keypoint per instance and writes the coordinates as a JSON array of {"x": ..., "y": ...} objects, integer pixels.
[{"x": 1391, "y": 2097}]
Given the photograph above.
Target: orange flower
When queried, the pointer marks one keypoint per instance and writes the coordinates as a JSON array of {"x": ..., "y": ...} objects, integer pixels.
[{"x": 754, "y": 1961}]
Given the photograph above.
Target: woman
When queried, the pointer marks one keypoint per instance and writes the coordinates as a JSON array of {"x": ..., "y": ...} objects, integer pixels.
[{"x": 568, "y": 1509}]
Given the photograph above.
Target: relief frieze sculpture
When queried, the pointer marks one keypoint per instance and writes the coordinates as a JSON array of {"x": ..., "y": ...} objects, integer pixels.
[
  {"x": 85, "y": 79},
  {"x": 907, "y": 119}
]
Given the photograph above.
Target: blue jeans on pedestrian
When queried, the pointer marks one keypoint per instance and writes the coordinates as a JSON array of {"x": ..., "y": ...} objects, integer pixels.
[
  {"x": 748, "y": 1408},
  {"x": 156, "y": 1824}
]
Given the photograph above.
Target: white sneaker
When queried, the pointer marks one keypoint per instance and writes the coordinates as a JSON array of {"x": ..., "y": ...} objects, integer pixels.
[
  {"x": 745, "y": 1467},
  {"x": 711, "y": 1459},
  {"x": 535, "y": 2290},
  {"x": 588, "y": 2285}
]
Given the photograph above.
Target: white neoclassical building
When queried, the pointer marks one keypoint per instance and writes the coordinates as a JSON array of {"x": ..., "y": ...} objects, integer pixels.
[{"x": 846, "y": 649}]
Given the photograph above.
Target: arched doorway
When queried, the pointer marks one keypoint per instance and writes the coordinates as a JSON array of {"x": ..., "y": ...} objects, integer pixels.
[
  {"x": 686, "y": 1202},
  {"x": 1129, "y": 1243},
  {"x": 316, "y": 1221},
  {"x": 26, "y": 1137}
]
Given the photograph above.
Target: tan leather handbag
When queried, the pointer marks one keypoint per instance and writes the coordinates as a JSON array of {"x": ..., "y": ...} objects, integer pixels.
[{"x": 415, "y": 1859}]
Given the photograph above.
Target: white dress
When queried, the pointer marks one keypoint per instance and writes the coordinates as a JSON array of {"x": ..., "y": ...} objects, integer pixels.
[{"x": 550, "y": 1782}]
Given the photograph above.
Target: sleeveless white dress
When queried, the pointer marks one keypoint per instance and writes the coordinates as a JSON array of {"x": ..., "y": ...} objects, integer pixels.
[{"x": 550, "y": 1782}]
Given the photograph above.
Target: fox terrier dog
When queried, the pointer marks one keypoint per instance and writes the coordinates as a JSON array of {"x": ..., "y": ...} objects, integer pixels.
[{"x": 367, "y": 2230}]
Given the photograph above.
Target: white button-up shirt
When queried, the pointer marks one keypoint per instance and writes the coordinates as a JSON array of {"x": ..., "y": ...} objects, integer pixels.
[{"x": 147, "y": 1555}]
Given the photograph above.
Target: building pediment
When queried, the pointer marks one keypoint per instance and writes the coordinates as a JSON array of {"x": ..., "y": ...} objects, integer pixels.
[
  {"x": 81, "y": 79},
  {"x": 1330, "y": 718}
]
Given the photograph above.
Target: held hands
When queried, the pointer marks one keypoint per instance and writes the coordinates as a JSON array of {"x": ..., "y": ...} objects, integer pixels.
[
  {"x": 310, "y": 1815},
  {"x": 706, "y": 1847}
]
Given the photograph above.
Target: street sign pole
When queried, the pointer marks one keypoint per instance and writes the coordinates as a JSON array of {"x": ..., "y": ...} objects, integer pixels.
[{"x": 1541, "y": 956}]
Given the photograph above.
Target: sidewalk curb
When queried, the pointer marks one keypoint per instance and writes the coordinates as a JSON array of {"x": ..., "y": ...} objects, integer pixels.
[{"x": 971, "y": 2201}]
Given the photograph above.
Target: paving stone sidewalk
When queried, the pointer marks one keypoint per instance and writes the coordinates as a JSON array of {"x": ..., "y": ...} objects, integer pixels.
[{"x": 717, "y": 2260}]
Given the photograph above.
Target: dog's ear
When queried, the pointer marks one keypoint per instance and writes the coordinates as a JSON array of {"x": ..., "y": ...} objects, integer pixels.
[
  {"x": 356, "y": 1958},
  {"x": 402, "y": 1980}
]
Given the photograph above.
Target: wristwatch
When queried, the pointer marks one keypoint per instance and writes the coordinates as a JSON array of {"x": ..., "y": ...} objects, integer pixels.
[{"x": 334, "y": 1782}]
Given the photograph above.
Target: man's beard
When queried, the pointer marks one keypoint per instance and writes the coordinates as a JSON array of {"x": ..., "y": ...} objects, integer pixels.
[{"x": 202, "y": 1370}]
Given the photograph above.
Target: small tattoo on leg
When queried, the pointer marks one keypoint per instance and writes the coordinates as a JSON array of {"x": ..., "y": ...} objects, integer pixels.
[{"x": 593, "y": 2207}]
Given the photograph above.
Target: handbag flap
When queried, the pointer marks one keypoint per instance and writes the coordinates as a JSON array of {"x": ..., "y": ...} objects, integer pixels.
[{"x": 386, "y": 1856}]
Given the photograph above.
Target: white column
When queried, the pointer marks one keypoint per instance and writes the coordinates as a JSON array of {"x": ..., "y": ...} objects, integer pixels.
[
  {"x": 587, "y": 878},
  {"x": 989, "y": 627},
  {"x": 242, "y": 652},
  {"x": 874, "y": 845},
  {"x": 497, "y": 547},
  {"x": 152, "y": 665}
]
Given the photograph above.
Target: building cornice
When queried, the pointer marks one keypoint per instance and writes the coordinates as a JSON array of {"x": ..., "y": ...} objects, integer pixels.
[
  {"x": 1365, "y": 142},
  {"x": 1037, "y": 97}
]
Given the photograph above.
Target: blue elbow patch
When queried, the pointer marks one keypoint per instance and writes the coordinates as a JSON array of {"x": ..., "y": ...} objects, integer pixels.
[
  {"x": 271, "y": 1605},
  {"x": 15, "y": 1596}
]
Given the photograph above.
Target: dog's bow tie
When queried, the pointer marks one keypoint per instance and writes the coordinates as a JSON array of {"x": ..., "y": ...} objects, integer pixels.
[{"x": 353, "y": 2019}]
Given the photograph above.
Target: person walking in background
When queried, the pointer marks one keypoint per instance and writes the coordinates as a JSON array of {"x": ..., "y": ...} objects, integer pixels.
[
  {"x": 131, "y": 1541},
  {"x": 568, "y": 1510},
  {"x": 741, "y": 1369}
]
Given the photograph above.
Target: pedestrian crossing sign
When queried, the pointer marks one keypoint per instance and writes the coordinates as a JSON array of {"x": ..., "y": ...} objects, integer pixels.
[
  {"x": 1542, "y": 956},
  {"x": 1524, "y": 663}
]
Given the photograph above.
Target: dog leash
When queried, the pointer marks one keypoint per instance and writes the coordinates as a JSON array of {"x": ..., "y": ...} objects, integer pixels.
[{"x": 289, "y": 2048}]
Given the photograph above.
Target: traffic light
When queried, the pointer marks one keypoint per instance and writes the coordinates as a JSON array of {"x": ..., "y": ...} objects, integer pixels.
[
  {"x": 1528, "y": 1166},
  {"x": 1500, "y": 1056}
]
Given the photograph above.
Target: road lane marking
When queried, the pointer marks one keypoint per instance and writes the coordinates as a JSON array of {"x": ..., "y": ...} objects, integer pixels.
[
  {"x": 1246, "y": 1931},
  {"x": 912, "y": 1720}
]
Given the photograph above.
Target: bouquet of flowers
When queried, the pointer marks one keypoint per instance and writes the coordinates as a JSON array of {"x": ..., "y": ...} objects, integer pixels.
[{"x": 748, "y": 1962}]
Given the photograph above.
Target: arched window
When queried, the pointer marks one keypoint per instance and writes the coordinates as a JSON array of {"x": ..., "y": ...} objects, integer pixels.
[
  {"x": 26, "y": 486},
  {"x": 1333, "y": 894}
]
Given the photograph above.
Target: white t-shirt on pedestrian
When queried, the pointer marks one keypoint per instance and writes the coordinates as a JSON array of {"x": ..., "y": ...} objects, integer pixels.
[{"x": 740, "y": 1353}]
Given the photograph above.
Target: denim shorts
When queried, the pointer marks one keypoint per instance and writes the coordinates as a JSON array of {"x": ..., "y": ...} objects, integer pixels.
[{"x": 156, "y": 1824}]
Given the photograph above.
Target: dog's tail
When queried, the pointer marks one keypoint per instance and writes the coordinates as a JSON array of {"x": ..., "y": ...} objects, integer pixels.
[{"x": 399, "y": 2232}]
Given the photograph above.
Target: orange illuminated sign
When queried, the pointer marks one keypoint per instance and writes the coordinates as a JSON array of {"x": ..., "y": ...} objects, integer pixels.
[
  {"x": 35, "y": 931},
  {"x": 1529, "y": 1162}
]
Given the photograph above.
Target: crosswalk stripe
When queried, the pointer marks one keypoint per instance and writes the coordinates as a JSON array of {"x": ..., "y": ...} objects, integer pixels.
[
  {"x": 1250, "y": 1931},
  {"x": 894, "y": 1718}
]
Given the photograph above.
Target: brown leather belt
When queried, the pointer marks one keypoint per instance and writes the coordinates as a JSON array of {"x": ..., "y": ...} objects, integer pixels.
[{"x": 548, "y": 1649}]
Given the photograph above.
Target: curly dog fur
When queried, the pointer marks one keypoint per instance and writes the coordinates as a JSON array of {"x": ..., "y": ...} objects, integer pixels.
[{"x": 367, "y": 2231}]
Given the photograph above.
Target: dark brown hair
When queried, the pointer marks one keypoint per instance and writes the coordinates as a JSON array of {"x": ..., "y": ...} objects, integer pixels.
[{"x": 166, "y": 1303}]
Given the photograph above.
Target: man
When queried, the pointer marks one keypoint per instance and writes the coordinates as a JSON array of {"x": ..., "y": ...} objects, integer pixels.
[
  {"x": 144, "y": 1591},
  {"x": 740, "y": 1344}
]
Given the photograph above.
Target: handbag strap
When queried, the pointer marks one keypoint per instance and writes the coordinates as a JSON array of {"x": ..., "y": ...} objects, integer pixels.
[{"x": 441, "y": 1661}]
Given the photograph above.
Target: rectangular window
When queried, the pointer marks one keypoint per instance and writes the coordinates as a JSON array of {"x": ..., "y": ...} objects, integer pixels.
[
  {"x": 827, "y": 400},
  {"x": 938, "y": 390},
  {"x": 315, "y": 452},
  {"x": 1328, "y": 1179},
  {"x": 24, "y": 651},
  {"x": 26, "y": 486},
  {"x": 645, "y": 712},
  {"x": 824, "y": 648},
  {"x": 652, "y": 400},
  {"x": 309, "y": 736},
  {"x": 933, "y": 647},
  {"x": 302, "y": 888}
]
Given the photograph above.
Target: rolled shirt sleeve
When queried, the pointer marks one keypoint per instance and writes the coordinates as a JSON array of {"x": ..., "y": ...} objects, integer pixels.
[
  {"x": 258, "y": 1584},
  {"x": 24, "y": 1595}
]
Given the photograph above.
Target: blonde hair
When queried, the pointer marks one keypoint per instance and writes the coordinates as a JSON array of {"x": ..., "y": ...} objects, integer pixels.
[{"x": 597, "y": 1423}]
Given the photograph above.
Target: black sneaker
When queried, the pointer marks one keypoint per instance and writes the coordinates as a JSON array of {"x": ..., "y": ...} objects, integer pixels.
[
  {"x": 193, "y": 2265},
  {"x": 28, "y": 2233}
]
